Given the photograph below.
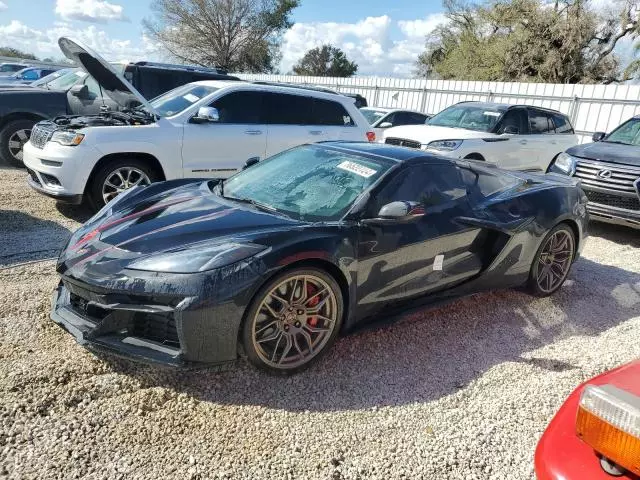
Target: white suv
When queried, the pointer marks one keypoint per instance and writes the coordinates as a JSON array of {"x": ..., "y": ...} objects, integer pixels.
[
  {"x": 515, "y": 137},
  {"x": 203, "y": 129}
]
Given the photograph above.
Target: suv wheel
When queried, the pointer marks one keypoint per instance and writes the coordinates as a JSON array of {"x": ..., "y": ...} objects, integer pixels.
[
  {"x": 117, "y": 176},
  {"x": 13, "y": 136}
]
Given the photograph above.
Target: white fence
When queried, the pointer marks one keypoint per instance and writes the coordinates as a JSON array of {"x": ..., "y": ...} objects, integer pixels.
[{"x": 591, "y": 108}]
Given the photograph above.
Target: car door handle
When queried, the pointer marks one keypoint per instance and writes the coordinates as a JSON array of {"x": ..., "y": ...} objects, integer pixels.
[
  {"x": 523, "y": 142},
  {"x": 253, "y": 132},
  {"x": 316, "y": 132}
]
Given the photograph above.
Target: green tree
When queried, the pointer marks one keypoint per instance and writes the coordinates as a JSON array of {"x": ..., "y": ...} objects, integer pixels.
[
  {"x": 14, "y": 52},
  {"x": 325, "y": 61},
  {"x": 565, "y": 41},
  {"x": 238, "y": 35}
]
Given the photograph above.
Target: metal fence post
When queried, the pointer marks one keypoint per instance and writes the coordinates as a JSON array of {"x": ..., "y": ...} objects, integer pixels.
[
  {"x": 573, "y": 110},
  {"x": 376, "y": 94},
  {"x": 489, "y": 96},
  {"x": 423, "y": 104}
]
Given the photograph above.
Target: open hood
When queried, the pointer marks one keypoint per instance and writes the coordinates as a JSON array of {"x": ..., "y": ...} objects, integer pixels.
[{"x": 113, "y": 83}]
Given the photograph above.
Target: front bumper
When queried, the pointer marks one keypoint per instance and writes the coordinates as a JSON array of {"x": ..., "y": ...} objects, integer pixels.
[{"x": 170, "y": 330}]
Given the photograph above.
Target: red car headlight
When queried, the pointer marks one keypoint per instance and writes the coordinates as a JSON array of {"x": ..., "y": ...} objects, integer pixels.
[{"x": 609, "y": 421}]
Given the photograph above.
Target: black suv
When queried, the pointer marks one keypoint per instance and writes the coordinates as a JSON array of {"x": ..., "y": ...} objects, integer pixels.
[{"x": 77, "y": 93}]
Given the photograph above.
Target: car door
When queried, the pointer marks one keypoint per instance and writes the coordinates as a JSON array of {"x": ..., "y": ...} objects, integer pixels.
[
  {"x": 398, "y": 261},
  {"x": 332, "y": 122},
  {"x": 543, "y": 138},
  {"x": 289, "y": 122},
  {"x": 219, "y": 149},
  {"x": 513, "y": 149},
  {"x": 564, "y": 135},
  {"x": 92, "y": 101}
]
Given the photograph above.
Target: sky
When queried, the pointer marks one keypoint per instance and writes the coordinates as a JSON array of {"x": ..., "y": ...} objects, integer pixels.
[{"x": 383, "y": 37}]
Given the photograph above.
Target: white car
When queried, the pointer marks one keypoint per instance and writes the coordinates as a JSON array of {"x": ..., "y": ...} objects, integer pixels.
[
  {"x": 202, "y": 129},
  {"x": 381, "y": 118},
  {"x": 514, "y": 137}
]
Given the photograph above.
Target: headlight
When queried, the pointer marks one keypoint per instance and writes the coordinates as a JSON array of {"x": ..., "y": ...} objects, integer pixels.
[
  {"x": 565, "y": 163},
  {"x": 198, "y": 257},
  {"x": 68, "y": 139},
  {"x": 609, "y": 421},
  {"x": 445, "y": 145}
]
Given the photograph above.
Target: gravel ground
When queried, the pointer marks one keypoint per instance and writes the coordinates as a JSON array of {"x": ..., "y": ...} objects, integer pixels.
[{"x": 464, "y": 391}]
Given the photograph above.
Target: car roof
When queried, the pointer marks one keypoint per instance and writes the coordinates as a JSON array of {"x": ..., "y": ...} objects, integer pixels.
[
  {"x": 508, "y": 106},
  {"x": 393, "y": 110},
  {"x": 275, "y": 88},
  {"x": 389, "y": 152}
]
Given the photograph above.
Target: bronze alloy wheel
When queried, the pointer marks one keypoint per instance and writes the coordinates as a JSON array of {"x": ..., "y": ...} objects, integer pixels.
[
  {"x": 295, "y": 318},
  {"x": 121, "y": 179},
  {"x": 553, "y": 261}
]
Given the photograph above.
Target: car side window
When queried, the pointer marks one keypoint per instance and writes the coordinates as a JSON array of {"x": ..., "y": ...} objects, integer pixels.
[
  {"x": 561, "y": 123},
  {"x": 284, "y": 109},
  {"x": 92, "y": 85},
  {"x": 402, "y": 118},
  {"x": 30, "y": 75},
  {"x": 240, "y": 108},
  {"x": 540, "y": 122},
  {"x": 514, "y": 120},
  {"x": 330, "y": 113},
  {"x": 430, "y": 185}
]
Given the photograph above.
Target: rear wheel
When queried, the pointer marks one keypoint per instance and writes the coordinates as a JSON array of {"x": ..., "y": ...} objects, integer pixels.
[
  {"x": 553, "y": 261},
  {"x": 13, "y": 136},
  {"x": 117, "y": 176},
  {"x": 292, "y": 321}
]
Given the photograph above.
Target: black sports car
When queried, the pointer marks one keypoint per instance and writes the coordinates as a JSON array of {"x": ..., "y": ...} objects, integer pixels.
[{"x": 285, "y": 255}]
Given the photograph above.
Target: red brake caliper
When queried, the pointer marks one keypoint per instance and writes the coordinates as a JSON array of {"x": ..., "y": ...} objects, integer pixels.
[{"x": 311, "y": 290}]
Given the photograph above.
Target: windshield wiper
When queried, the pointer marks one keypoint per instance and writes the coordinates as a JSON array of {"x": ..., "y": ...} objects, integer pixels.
[
  {"x": 617, "y": 142},
  {"x": 250, "y": 201}
]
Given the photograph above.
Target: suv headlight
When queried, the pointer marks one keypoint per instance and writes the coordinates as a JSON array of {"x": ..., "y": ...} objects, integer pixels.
[
  {"x": 565, "y": 163},
  {"x": 68, "y": 139},
  {"x": 445, "y": 145},
  {"x": 198, "y": 257}
]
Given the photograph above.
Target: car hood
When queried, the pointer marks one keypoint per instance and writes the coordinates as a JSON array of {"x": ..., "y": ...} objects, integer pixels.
[
  {"x": 112, "y": 83},
  {"x": 608, "y": 152},
  {"x": 160, "y": 218},
  {"x": 429, "y": 133}
]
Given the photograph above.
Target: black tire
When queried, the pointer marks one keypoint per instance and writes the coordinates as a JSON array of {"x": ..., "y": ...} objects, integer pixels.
[
  {"x": 538, "y": 283},
  {"x": 12, "y": 154},
  {"x": 256, "y": 354},
  {"x": 95, "y": 187}
]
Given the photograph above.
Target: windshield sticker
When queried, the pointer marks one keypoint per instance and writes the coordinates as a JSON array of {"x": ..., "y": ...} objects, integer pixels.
[
  {"x": 191, "y": 98},
  {"x": 357, "y": 169},
  {"x": 346, "y": 119},
  {"x": 80, "y": 73},
  {"x": 492, "y": 114}
]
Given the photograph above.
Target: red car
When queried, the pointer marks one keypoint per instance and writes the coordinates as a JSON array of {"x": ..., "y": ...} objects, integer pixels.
[{"x": 596, "y": 433}]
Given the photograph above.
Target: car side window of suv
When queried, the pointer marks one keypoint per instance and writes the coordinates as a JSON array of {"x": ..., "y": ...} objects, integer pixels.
[
  {"x": 540, "y": 122},
  {"x": 92, "y": 85},
  {"x": 514, "y": 120},
  {"x": 286, "y": 109},
  {"x": 330, "y": 113},
  {"x": 244, "y": 107}
]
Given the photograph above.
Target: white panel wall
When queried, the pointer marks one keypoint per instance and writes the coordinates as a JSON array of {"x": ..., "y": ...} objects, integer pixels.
[{"x": 591, "y": 108}]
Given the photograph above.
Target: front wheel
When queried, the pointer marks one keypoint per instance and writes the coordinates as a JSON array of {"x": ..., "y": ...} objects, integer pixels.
[
  {"x": 13, "y": 136},
  {"x": 553, "y": 261},
  {"x": 292, "y": 321},
  {"x": 117, "y": 176}
]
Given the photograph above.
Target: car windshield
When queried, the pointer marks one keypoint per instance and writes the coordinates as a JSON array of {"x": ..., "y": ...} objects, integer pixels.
[
  {"x": 19, "y": 73},
  {"x": 471, "y": 117},
  {"x": 309, "y": 183},
  {"x": 628, "y": 133},
  {"x": 66, "y": 81},
  {"x": 179, "y": 99},
  {"x": 372, "y": 115}
]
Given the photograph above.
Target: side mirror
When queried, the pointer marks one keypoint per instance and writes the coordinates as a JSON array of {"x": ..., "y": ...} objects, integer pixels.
[
  {"x": 251, "y": 162},
  {"x": 80, "y": 91},
  {"x": 206, "y": 115},
  {"x": 385, "y": 125},
  {"x": 598, "y": 136},
  {"x": 396, "y": 212},
  {"x": 510, "y": 130}
]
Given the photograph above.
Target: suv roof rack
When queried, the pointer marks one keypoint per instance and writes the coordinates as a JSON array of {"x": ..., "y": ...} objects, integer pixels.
[
  {"x": 303, "y": 86},
  {"x": 190, "y": 68}
]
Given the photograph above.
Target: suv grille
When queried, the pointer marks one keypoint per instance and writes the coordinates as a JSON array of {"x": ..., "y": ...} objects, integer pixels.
[
  {"x": 41, "y": 133},
  {"x": 613, "y": 177},
  {"x": 616, "y": 201},
  {"x": 402, "y": 142}
]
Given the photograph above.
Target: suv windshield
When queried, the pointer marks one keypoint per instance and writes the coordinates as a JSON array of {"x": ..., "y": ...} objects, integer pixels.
[
  {"x": 308, "y": 183},
  {"x": 373, "y": 115},
  {"x": 178, "y": 99},
  {"x": 628, "y": 133},
  {"x": 66, "y": 81},
  {"x": 471, "y": 117}
]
